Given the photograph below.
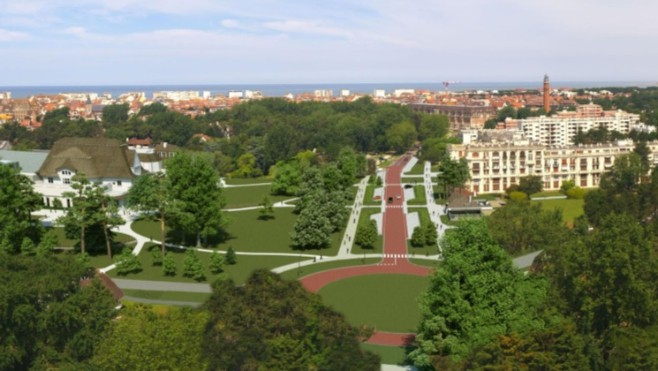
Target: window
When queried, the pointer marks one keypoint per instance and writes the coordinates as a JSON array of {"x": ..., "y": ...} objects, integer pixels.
[
  {"x": 50, "y": 179},
  {"x": 119, "y": 183},
  {"x": 66, "y": 172},
  {"x": 67, "y": 180}
]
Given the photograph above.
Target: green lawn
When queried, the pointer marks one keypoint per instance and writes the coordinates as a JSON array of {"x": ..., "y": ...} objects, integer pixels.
[
  {"x": 424, "y": 262},
  {"x": 384, "y": 302},
  {"x": 388, "y": 355},
  {"x": 424, "y": 217},
  {"x": 446, "y": 220},
  {"x": 241, "y": 181},
  {"x": 367, "y": 197},
  {"x": 420, "y": 199},
  {"x": 249, "y": 196},
  {"x": 238, "y": 272},
  {"x": 246, "y": 232},
  {"x": 97, "y": 256},
  {"x": 411, "y": 180},
  {"x": 363, "y": 219},
  {"x": 319, "y": 267},
  {"x": 418, "y": 168},
  {"x": 168, "y": 295},
  {"x": 571, "y": 208}
]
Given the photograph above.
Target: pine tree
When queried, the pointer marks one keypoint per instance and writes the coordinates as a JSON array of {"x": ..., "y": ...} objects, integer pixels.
[
  {"x": 418, "y": 237},
  {"x": 27, "y": 246},
  {"x": 48, "y": 242},
  {"x": 169, "y": 265},
  {"x": 231, "y": 258},
  {"x": 366, "y": 235},
  {"x": 216, "y": 263},
  {"x": 156, "y": 254},
  {"x": 128, "y": 263},
  {"x": 190, "y": 263}
]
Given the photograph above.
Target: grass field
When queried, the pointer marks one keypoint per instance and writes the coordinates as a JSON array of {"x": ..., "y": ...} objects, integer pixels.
[
  {"x": 249, "y": 196},
  {"x": 363, "y": 219},
  {"x": 319, "y": 267},
  {"x": 367, "y": 197},
  {"x": 246, "y": 232},
  {"x": 388, "y": 355},
  {"x": 571, "y": 209},
  {"x": 384, "y": 302},
  {"x": 411, "y": 180},
  {"x": 424, "y": 262},
  {"x": 238, "y": 272},
  {"x": 98, "y": 256},
  {"x": 168, "y": 295},
  {"x": 547, "y": 194},
  {"x": 420, "y": 199},
  {"x": 417, "y": 169}
]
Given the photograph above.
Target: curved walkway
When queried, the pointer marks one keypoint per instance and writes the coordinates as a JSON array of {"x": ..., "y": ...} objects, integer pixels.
[{"x": 395, "y": 252}]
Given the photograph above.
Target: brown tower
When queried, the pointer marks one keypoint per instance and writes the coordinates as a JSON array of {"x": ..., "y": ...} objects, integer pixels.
[{"x": 547, "y": 94}]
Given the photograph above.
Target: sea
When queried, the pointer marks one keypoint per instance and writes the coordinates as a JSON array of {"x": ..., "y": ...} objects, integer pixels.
[{"x": 279, "y": 90}]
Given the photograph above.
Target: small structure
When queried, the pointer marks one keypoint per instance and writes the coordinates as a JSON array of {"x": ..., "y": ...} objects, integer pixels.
[{"x": 461, "y": 204}]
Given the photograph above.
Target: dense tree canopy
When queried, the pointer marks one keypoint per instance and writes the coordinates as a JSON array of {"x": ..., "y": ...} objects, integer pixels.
[
  {"x": 18, "y": 200},
  {"x": 273, "y": 324},
  {"x": 46, "y": 318}
]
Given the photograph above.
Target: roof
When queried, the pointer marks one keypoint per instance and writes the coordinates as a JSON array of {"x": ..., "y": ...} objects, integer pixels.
[
  {"x": 149, "y": 157},
  {"x": 97, "y": 158},
  {"x": 29, "y": 161},
  {"x": 106, "y": 281}
]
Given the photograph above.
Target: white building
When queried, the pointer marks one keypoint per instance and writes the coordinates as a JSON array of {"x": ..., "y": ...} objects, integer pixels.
[
  {"x": 101, "y": 160},
  {"x": 400, "y": 92},
  {"x": 561, "y": 128},
  {"x": 235, "y": 94},
  {"x": 176, "y": 95},
  {"x": 495, "y": 165},
  {"x": 379, "y": 93}
]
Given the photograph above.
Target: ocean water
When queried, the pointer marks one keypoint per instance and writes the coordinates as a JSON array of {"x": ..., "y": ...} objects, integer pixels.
[{"x": 279, "y": 90}]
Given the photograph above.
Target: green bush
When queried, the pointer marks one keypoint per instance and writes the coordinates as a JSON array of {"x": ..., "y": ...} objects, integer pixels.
[{"x": 576, "y": 193}]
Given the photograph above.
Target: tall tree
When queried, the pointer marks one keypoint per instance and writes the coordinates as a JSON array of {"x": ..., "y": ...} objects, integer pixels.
[
  {"x": 453, "y": 174},
  {"x": 531, "y": 184},
  {"x": 115, "y": 114},
  {"x": 194, "y": 184},
  {"x": 475, "y": 295},
  {"x": 78, "y": 217},
  {"x": 18, "y": 201}
]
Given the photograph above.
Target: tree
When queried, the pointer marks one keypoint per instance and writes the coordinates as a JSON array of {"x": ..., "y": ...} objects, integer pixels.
[
  {"x": 128, "y": 263},
  {"x": 312, "y": 229},
  {"x": 192, "y": 266},
  {"x": 194, "y": 185},
  {"x": 247, "y": 167},
  {"x": 231, "y": 258},
  {"x": 287, "y": 178},
  {"x": 274, "y": 324},
  {"x": 156, "y": 255},
  {"x": 401, "y": 136},
  {"x": 418, "y": 237},
  {"x": 150, "y": 195},
  {"x": 115, "y": 114},
  {"x": 531, "y": 184},
  {"x": 27, "y": 246},
  {"x": 216, "y": 263},
  {"x": 48, "y": 319},
  {"x": 521, "y": 226},
  {"x": 48, "y": 242},
  {"x": 169, "y": 265},
  {"x": 267, "y": 209},
  {"x": 366, "y": 235},
  {"x": 431, "y": 235},
  {"x": 453, "y": 174},
  {"x": 18, "y": 201},
  {"x": 145, "y": 339},
  {"x": 433, "y": 126},
  {"x": 474, "y": 295}
]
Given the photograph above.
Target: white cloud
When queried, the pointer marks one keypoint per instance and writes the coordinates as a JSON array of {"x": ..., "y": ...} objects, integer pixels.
[
  {"x": 230, "y": 23},
  {"x": 308, "y": 27},
  {"x": 8, "y": 35}
]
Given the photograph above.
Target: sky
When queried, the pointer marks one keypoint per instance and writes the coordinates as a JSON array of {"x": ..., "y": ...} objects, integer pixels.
[{"x": 115, "y": 42}]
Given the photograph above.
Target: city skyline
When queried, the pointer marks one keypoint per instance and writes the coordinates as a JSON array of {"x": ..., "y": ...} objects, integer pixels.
[{"x": 265, "y": 42}]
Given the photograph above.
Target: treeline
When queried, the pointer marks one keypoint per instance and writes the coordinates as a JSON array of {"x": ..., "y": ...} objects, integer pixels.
[
  {"x": 261, "y": 132},
  {"x": 49, "y": 320},
  {"x": 588, "y": 302}
]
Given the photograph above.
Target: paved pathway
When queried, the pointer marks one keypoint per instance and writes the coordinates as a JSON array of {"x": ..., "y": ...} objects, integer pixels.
[
  {"x": 163, "y": 302},
  {"x": 162, "y": 285}
]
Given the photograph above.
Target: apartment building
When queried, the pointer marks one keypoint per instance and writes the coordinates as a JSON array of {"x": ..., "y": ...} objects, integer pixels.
[
  {"x": 495, "y": 165},
  {"x": 561, "y": 128}
]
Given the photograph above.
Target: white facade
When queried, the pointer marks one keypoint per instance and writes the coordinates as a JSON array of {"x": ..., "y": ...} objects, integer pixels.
[
  {"x": 496, "y": 166},
  {"x": 235, "y": 94},
  {"x": 560, "y": 129}
]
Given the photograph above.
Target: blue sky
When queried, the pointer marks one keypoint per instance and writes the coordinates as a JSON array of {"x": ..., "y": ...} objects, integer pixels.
[{"x": 92, "y": 42}]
